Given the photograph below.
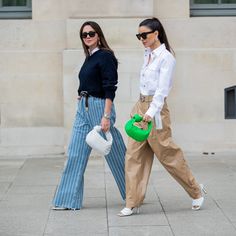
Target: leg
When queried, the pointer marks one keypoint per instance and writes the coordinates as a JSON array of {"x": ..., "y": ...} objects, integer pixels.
[
  {"x": 116, "y": 160},
  {"x": 171, "y": 156},
  {"x": 116, "y": 157},
  {"x": 70, "y": 191},
  {"x": 138, "y": 164}
]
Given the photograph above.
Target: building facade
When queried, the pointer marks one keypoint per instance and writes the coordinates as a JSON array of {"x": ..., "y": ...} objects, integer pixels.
[{"x": 41, "y": 54}]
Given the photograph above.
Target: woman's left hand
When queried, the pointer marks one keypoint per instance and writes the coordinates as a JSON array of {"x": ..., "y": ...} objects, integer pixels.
[{"x": 105, "y": 124}]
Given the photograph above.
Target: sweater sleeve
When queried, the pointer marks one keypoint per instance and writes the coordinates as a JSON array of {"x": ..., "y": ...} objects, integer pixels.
[{"x": 109, "y": 74}]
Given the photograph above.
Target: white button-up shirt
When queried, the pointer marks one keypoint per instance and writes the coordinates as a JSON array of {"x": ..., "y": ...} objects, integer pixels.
[{"x": 156, "y": 79}]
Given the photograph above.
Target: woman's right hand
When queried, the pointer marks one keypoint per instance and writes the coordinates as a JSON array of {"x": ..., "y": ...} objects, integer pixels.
[
  {"x": 105, "y": 124},
  {"x": 147, "y": 118}
]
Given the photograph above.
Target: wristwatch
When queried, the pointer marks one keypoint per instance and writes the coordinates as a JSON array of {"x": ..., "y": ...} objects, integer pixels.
[{"x": 106, "y": 115}]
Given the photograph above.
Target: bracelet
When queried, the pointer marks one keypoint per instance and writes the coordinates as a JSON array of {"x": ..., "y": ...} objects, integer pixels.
[{"x": 106, "y": 115}]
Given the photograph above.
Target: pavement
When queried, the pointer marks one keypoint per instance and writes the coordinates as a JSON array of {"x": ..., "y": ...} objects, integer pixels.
[{"x": 28, "y": 184}]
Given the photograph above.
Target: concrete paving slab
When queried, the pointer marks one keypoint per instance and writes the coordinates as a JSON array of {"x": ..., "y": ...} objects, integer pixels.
[
  {"x": 234, "y": 224},
  {"x": 78, "y": 234},
  {"x": 228, "y": 208},
  {"x": 201, "y": 224},
  {"x": 38, "y": 172},
  {"x": 24, "y": 214},
  {"x": 18, "y": 202},
  {"x": 94, "y": 181},
  {"x": 31, "y": 189},
  {"x": 24, "y": 223},
  {"x": 91, "y": 192},
  {"x": 3, "y": 189},
  {"x": 150, "y": 215},
  {"x": 140, "y": 231},
  {"x": 91, "y": 219},
  {"x": 27, "y": 187},
  {"x": 9, "y": 169},
  {"x": 207, "y": 221}
]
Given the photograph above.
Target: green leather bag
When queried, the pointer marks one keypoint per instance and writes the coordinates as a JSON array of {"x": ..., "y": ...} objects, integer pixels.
[{"x": 135, "y": 132}]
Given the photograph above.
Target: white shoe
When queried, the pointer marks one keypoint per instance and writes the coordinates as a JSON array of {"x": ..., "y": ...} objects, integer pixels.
[
  {"x": 197, "y": 203},
  {"x": 128, "y": 211},
  {"x": 59, "y": 208}
]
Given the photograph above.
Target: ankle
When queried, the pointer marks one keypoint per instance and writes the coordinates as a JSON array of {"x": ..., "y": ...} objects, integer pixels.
[{"x": 198, "y": 196}]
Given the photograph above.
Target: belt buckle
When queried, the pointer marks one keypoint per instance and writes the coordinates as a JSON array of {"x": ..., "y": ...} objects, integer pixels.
[
  {"x": 84, "y": 94},
  {"x": 142, "y": 98}
]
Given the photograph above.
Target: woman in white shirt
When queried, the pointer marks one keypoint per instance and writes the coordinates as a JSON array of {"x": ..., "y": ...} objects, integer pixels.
[{"x": 155, "y": 84}]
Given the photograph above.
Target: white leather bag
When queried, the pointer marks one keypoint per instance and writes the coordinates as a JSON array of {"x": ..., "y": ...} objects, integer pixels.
[{"x": 97, "y": 142}]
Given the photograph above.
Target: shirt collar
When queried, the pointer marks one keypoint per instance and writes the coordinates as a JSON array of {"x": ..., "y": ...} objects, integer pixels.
[
  {"x": 93, "y": 51},
  {"x": 156, "y": 52}
]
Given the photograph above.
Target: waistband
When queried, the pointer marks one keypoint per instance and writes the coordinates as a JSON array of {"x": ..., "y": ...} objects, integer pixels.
[
  {"x": 86, "y": 95},
  {"x": 143, "y": 98}
]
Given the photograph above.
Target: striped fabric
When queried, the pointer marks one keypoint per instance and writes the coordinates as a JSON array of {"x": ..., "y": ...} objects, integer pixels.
[{"x": 70, "y": 190}]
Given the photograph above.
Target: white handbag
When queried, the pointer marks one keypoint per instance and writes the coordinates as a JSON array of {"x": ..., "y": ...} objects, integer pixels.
[{"x": 97, "y": 142}]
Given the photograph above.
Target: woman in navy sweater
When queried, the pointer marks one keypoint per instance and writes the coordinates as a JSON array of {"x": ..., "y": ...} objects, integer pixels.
[{"x": 98, "y": 79}]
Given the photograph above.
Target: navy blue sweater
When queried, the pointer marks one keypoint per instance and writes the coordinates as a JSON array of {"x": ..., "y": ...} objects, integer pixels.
[{"x": 98, "y": 75}]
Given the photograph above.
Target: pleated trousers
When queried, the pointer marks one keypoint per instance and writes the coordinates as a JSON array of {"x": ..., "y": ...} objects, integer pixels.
[
  {"x": 140, "y": 155},
  {"x": 69, "y": 193}
]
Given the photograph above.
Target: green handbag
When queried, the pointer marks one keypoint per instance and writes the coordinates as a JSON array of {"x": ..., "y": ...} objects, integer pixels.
[{"x": 135, "y": 132}]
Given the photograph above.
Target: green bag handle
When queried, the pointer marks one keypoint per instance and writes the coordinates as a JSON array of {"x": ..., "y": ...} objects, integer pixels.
[{"x": 135, "y": 132}]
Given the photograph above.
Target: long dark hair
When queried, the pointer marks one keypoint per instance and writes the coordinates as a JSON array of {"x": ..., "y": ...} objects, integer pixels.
[
  {"x": 102, "y": 43},
  {"x": 155, "y": 25}
]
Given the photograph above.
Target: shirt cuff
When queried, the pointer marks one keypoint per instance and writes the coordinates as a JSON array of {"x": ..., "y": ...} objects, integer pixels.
[
  {"x": 150, "y": 112},
  {"x": 158, "y": 121},
  {"x": 157, "y": 117}
]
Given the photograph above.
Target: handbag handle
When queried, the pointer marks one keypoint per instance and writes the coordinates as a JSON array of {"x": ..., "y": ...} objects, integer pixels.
[
  {"x": 108, "y": 135},
  {"x": 137, "y": 133}
]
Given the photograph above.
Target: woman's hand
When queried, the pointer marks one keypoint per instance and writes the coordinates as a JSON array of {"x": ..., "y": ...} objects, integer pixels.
[
  {"x": 105, "y": 124},
  {"x": 147, "y": 118},
  {"x": 105, "y": 121}
]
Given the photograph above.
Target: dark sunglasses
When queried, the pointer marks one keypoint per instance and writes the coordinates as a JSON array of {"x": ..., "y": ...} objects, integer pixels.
[
  {"x": 91, "y": 34},
  {"x": 144, "y": 35}
]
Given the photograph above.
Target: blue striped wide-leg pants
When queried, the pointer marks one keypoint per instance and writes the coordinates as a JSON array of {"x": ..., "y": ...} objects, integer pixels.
[{"x": 70, "y": 190}]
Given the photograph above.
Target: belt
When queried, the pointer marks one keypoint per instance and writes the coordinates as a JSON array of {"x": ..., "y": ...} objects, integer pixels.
[
  {"x": 144, "y": 98},
  {"x": 86, "y": 95}
]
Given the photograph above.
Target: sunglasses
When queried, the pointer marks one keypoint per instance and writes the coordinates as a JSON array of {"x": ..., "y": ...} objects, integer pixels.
[
  {"x": 91, "y": 34},
  {"x": 144, "y": 35}
]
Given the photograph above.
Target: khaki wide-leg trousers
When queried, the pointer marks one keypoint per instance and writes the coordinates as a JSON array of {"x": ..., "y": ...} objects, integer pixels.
[{"x": 139, "y": 159}]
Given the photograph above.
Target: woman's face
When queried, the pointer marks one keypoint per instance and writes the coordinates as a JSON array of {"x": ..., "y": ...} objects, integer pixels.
[
  {"x": 147, "y": 37},
  {"x": 90, "y": 37}
]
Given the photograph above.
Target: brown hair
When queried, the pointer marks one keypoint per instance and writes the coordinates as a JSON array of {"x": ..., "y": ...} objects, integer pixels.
[{"x": 102, "y": 43}]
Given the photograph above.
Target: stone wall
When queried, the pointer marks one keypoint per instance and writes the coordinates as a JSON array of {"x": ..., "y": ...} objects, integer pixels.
[{"x": 40, "y": 60}]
